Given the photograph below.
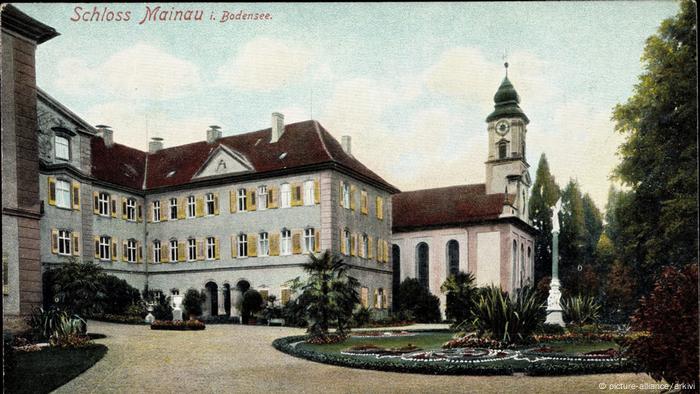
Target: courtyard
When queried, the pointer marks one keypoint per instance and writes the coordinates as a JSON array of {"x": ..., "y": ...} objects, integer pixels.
[{"x": 236, "y": 358}]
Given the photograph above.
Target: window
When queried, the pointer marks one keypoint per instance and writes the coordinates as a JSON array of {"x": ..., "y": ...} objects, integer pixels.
[
  {"x": 191, "y": 249},
  {"x": 156, "y": 211},
  {"x": 131, "y": 251},
  {"x": 309, "y": 195},
  {"x": 286, "y": 245},
  {"x": 262, "y": 198},
  {"x": 173, "y": 209},
  {"x": 63, "y": 194},
  {"x": 286, "y": 296},
  {"x": 309, "y": 240},
  {"x": 209, "y": 203},
  {"x": 211, "y": 248},
  {"x": 364, "y": 251},
  {"x": 423, "y": 264},
  {"x": 174, "y": 255},
  {"x": 521, "y": 268},
  {"x": 64, "y": 243},
  {"x": 131, "y": 209},
  {"x": 285, "y": 195},
  {"x": 103, "y": 204},
  {"x": 379, "y": 206},
  {"x": 514, "y": 263},
  {"x": 364, "y": 202},
  {"x": 242, "y": 245},
  {"x": 191, "y": 207},
  {"x": 62, "y": 148},
  {"x": 156, "y": 251},
  {"x": 264, "y": 245},
  {"x": 104, "y": 248},
  {"x": 346, "y": 242},
  {"x": 380, "y": 299},
  {"x": 502, "y": 150},
  {"x": 452, "y": 257},
  {"x": 241, "y": 200},
  {"x": 346, "y": 195}
]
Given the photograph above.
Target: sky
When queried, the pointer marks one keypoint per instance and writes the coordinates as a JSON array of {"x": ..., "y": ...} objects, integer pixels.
[{"x": 412, "y": 84}]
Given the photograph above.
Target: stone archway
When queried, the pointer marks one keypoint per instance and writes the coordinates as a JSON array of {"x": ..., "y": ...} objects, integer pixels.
[
  {"x": 212, "y": 298},
  {"x": 227, "y": 299}
]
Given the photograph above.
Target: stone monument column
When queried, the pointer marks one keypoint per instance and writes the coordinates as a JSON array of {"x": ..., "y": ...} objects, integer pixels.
[{"x": 554, "y": 310}]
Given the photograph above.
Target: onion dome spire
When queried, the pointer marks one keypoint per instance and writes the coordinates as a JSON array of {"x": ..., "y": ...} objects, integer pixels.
[{"x": 506, "y": 101}]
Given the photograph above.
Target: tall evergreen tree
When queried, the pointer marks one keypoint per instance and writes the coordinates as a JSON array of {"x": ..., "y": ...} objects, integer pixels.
[
  {"x": 593, "y": 220},
  {"x": 572, "y": 239},
  {"x": 659, "y": 157},
  {"x": 545, "y": 194}
]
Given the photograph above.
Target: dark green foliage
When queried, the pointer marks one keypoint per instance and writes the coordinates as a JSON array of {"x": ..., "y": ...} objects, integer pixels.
[
  {"x": 670, "y": 316},
  {"x": 580, "y": 310},
  {"x": 162, "y": 308},
  {"x": 499, "y": 317},
  {"x": 659, "y": 159},
  {"x": 545, "y": 194},
  {"x": 252, "y": 304},
  {"x": 361, "y": 317},
  {"x": 552, "y": 329},
  {"x": 75, "y": 287},
  {"x": 192, "y": 302},
  {"x": 461, "y": 296},
  {"x": 415, "y": 302},
  {"x": 47, "y": 324},
  {"x": 185, "y": 325},
  {"x": 121, "y": 295}
]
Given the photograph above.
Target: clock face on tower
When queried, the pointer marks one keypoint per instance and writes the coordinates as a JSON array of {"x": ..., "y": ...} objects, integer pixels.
[{"x": 502, "y": 127}]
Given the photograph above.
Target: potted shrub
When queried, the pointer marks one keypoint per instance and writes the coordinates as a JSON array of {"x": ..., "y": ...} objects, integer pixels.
[
  {"x": 252, "y": 304},
  {"x": 193, "y": 303}
]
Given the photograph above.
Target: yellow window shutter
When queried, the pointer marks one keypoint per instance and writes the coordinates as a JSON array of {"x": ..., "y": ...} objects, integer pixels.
[
  {"x": 232, "y": 200},
  {"x": 385, "y": 304},
  {"x": 216, "y": 203},
  {"x": 234, "y": 246},
  {"x": 76, "y": 243},
  {"x": 181, "y": 208},
  {"x": 250, "y": 200},
  {"x": 340, "y": 195},
  {"x": 374, "y": 299},
  {"x": 54, "y": 241},
  {"x": 200, "y": 249},
  {"x": 124, "y": 208},
  {"x": 274, "y": 244},
  {"x": 113, "y": 206},
  {"x": 52, "y": 191},
  {"x": 97, "y": 246},
  {"x": 317, "y": 191},
  {"x": 139, "y": 213},
  {"x": 199, "y": 206},
  {"x": 370, "y": 248},
  {"x": 115, "y": 249},
  {"x": 352, "y": 197},
  {"x": 387, "y": 245},
  {"x": 296, "y": 242},
  {"x": 139, "y": 252},
  {"x": 352, "y": 244},
  {"x": 342, "y": 241},
  {"x": 252, "y": 245},
  {"x": 181, "y": 251},
  {"x": 272, "y": 197},
  {"x": 317, "y": 240},
  {"x": 165, "y": 252},
  {"x": 95, "y": 202},
  {"x": 363, "y": 202},
  {"x": 216, "y": 249},
  {"x": 75, "y": 197},
  {"x": 124, "y": 250}
]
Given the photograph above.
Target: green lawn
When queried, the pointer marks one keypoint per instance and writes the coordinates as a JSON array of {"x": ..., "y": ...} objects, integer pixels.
[
  {"x": 582, "y": 347},
  {"x": 50, "y": 368},
  {"x": 426, "y": 341}
]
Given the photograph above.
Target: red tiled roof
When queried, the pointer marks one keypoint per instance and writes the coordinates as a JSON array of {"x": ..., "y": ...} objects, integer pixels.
[
  {"x": 118, "y": 164},
  {"x": 305, "y": 143},
  {"x": 445, "y": 206}
]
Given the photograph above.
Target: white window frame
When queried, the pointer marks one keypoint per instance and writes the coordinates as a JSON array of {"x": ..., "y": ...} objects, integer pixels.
[
  {"x": 263, "y": 244},
  {"x": 309, "y": 240},
  {"x": 242, "y": 200},
  {"x": 172, "y": 212},
  {"x": 262, "y": 198},
  {"x": 156, "y": 211},
  {"x": 346, "y": 195},
  {"x": 191, "y": 207},
  {"x": 209, "y": 199},
  {"x": 131, "y": 250},
  {"x": 309, "y": 193},
  {"x": 64, "y": 243},
  {"x": 285, "y": 242},
  {"x": 63, "y": 194},
  {"x": 103, "y": 204},
  {"x": 191, "y": 249},
  {"x": 242, "y": 245},
  {"x": 131, "y": 209},
  {"x": 173, "y": 251},
  {"x": 157, "y": 249},
  {"x": 105, "y": 248},
  {"x": 285, "y": 195},
  {"x": 211, "y": 248},
  {"x": 59, "y": 155}
]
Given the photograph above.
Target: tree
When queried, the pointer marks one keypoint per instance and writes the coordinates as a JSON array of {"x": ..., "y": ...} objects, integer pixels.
[
  {"x": 192, "y": 302},
  {"x": 121, "y": 295},
  {"x": 75, "y": 287},
  {"x": 545, "y": 194},
  {"x": 620, "y": 293},
  {"x": 659, "y": 156},
  {"x": 572, "y": 239},
  {"x": 415, "y": 302},
  {"x": 252, "y": 303},
  {"x": 461, "y": 296},
  {"x": 329, "y": 294}
]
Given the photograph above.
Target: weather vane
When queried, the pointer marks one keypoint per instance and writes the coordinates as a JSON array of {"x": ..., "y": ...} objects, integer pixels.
[{"x": 505, "y": 60}]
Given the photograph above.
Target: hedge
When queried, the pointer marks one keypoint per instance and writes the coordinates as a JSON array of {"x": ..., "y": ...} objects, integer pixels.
[
  {"x": 497, "y": 367},
  {"x": 186, "y": 325}
]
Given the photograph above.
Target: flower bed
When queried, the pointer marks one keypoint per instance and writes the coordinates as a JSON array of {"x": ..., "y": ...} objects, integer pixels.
[
  {"x": 383, "y": 334},
  {"x": 121, "y": 319},
  {"x": 186, "y": 325}
]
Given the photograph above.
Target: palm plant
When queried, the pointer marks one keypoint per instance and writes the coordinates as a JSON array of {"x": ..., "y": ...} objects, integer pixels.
[
  {"x": 329, "y": 294},
  {"x": 580, "y": 309},
  {"x": 508, "y": 320},
  {"x": 461, "y": 296}
]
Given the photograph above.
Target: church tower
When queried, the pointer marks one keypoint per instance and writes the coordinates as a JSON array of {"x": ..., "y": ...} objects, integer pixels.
[{"x": 506, "y": 167}]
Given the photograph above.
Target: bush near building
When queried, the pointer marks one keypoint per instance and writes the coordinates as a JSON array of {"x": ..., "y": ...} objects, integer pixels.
[{"x": 416, "y": 303}]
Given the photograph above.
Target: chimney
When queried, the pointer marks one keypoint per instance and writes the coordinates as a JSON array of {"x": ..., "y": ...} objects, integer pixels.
[
  {"x": 213, "y": 134},
  {"x": 345, "y": 142},
  {"x": 106, "y": 133},
  {"x": 155, "y": 145},
  {"x": 277, "y": 127}
]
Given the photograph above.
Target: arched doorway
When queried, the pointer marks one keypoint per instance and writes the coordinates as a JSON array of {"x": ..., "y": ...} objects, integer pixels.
[
  {"x": 213, "y": 295},
  {"x": 396, "y": 275},
  {"x": 452, "y": 257},
  {"x": 422, "y": 264},
  {"x": 227, "y": 299}
]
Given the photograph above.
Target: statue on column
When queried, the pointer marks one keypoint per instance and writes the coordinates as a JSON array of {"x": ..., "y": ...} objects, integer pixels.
[{"x": 554, "y": 310}]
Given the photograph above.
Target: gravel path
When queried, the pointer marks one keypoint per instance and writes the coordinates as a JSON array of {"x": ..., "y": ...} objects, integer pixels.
[{"x": 234, "y": 358}]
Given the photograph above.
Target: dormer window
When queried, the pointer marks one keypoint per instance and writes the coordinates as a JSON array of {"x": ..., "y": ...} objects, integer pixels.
[{"x": 62, "y": 145}]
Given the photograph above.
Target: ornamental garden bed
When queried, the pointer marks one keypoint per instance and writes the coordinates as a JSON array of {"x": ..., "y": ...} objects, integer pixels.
[
  {"x": 185, "y": 325},
  {"x": 425, "y": 352}
]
